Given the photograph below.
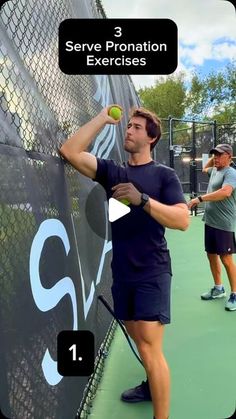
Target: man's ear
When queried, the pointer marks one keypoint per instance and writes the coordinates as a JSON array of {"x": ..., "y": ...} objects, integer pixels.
[{"x": 152, "y": 140}]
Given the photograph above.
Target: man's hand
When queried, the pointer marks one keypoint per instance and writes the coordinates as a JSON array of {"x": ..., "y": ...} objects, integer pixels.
[
  {"x": 193, "y": 203},
  {"x": 127, "y": 191},
  {"x": 107, "y": 118},
  {"x": 209, "y": 164}
]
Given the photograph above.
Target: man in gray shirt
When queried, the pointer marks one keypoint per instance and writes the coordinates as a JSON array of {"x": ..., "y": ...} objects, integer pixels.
[{"x": 220, "y": 217}]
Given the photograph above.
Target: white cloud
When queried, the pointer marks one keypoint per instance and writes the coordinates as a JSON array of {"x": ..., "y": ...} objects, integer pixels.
[
  {"x": 206, "y": 29},
  {"x": 197, "y": 54},
  {"x": 223, "y": 51},
  {"x": 197, "y": 20},
  {"x": 207, "y": 51},
  {"x": 143, "y": 80}
]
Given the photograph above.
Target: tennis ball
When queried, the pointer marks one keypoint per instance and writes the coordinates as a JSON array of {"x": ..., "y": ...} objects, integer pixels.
[
  {"x": 115, "y": 112},
  {"x": 125, "y": 201}
]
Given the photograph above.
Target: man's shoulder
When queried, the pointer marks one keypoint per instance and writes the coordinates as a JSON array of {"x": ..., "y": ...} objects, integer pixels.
[
  {"x": 158, "y": 168},
  {"x": 163, "y": 171},
  {"x": 230, "y": 171},
  {"x": 107, "y": 168},
  {"x": 110, "y": 162},
  {"x": 163, "y": 168}
]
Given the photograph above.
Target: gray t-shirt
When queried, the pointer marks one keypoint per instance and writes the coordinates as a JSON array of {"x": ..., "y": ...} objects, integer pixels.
[{"x": 221, "y": 214}]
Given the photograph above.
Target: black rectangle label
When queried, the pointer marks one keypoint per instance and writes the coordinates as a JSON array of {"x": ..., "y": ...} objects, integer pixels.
[
  {"x": 118, "y": 46},
  {"x": 75, "y": 352}
]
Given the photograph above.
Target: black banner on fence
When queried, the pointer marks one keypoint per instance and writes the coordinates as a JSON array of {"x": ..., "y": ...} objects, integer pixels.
[{"x": 53, "y": 263}]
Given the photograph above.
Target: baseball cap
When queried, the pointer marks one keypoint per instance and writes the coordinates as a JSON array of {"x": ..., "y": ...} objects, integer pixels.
[{"x": 222, "y": 148}]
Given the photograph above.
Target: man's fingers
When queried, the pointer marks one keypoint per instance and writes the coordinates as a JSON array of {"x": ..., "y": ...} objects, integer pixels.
[
  {"x": 120, "y": 192},
  {"x": 191, "y": 205},
  {"x": 118, "y": 186}
]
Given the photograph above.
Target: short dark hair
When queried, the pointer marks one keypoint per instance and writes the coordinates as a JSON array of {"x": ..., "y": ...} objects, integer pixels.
[{"x": 153, "y": 123}]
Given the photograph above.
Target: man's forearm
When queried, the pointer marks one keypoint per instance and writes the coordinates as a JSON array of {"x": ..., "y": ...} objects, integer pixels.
[
  {"x": 171, "y": 216},
  {"x": 217, "y": 195}
]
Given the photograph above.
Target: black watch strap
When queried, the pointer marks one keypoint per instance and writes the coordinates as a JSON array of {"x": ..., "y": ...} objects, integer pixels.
[
  {"x": 144, "y": 199},
  {"x": 200, "y": 198}
]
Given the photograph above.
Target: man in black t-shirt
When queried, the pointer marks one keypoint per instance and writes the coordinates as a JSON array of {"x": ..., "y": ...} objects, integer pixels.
[{"x": 141, "y": 265}]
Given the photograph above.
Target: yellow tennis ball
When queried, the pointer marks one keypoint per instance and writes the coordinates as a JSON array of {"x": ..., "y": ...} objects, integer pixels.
[
  {"x": 125, "y": 201},
  {"x": 115, "y": 112}
]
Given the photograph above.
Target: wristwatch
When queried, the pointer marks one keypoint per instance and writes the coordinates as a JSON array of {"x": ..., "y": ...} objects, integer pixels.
[
  {"x": 144, "y": 199},
  {"x": 200, "y": 198}
]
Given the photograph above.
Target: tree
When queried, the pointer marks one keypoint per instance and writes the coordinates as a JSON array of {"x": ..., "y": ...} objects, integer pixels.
[
  {"x": 166, "y": 97},
  {"x": 213, "y": 95},
  {"x": 204, "y": 97},
  {"x": 225, "y": 115}
]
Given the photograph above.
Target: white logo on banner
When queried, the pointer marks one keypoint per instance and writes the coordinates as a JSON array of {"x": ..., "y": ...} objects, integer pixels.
[{"x": 45, "y": 298}]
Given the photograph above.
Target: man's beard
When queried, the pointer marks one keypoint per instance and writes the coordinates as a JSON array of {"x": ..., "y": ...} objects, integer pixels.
[{"x": 130, "y": 147}]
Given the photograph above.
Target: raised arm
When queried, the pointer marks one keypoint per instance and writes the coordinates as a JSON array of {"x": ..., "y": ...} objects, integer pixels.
[
  {"x": 209, "y": 164},
  {"x": 74, "y": 148}
]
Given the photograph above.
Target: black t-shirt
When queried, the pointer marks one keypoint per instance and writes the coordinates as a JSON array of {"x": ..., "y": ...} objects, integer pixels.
[{"x": 139, "y": 246}]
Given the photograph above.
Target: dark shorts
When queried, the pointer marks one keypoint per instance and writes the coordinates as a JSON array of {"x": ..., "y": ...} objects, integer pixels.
[
  {"x": 149, "y": 300},
  {"x": 218, "y": 241}
]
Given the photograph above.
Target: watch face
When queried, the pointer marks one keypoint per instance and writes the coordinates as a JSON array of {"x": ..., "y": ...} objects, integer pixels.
[{"x": 144, "y": 199}]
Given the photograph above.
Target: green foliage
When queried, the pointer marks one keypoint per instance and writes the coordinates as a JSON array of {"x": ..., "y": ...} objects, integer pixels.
[
  {"x": 213, "y": 96},
  {"x": 209, "y": 97},
  {"x": 166, "y": 98},
  {"x": 225, "y": 115}
]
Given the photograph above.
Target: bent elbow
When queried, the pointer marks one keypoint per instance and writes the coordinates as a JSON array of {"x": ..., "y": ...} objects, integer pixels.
[
  {"x": 185, "y": 224},
  {"x": 63, "y": 152},
  {"x": 185, "y": 227}
]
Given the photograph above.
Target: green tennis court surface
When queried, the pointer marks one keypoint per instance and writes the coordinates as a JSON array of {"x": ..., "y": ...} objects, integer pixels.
[{"x": 200, "y": 345}]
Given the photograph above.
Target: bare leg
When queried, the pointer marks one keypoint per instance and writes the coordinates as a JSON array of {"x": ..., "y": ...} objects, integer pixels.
[
  {"x": 230, "y": 268},
  {"x": 215, "y": 266},
  {"x": 148, "y": 337}
]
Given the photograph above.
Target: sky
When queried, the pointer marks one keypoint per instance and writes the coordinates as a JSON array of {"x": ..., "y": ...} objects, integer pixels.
[{"x": 206, "y": 31}]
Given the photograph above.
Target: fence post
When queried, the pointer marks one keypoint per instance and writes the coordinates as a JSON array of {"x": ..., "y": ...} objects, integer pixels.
[
  {"x": 214, "y": 133},
  {"x": 193, "y": 177},
  {"x": 171, "y": 151}
]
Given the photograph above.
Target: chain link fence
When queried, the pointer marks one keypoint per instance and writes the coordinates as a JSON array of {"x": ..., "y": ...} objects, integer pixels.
[
  {"x": 185, "y": 144},
  {"x": 47, "y": 231},
  {"x": 40, "y": 107}
]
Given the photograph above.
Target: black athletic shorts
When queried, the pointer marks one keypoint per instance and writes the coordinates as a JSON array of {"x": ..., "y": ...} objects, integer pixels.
[
  {"x": 143, "y": 300},
  {"x": 218, "y": 241}
]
